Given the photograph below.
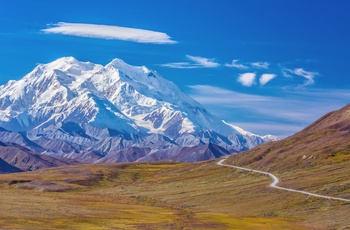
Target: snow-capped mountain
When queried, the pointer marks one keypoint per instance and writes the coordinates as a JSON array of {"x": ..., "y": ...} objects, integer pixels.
[{"x": 79, "y": 109}]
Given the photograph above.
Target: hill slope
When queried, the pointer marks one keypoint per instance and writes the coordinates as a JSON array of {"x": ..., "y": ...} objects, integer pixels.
[
  {"x": 324, "y": 142},
  {"x": 316, "y": 159}
]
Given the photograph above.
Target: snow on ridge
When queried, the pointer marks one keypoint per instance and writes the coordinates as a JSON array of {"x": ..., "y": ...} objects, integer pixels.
[
  {"x": 266, "y": 138},
  {"x": 73, "y": 67}
]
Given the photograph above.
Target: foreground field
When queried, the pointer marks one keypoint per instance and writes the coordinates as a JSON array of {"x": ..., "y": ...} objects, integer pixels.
[{"x": 159, "y": 196}]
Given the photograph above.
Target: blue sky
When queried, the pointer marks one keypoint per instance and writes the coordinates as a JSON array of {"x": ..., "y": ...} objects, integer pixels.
[{"x": 267, "y": 66}]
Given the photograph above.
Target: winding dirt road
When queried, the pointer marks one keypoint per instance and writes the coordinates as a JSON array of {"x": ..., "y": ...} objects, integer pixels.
[{"x": 276, "y": 181}]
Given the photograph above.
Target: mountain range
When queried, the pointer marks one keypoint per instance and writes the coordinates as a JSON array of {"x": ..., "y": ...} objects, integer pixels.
[{"x": 68, "y": 112}]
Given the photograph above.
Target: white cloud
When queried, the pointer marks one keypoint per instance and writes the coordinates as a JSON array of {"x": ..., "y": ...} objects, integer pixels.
[
  {"x": 265, "y": 78},
  {"x": 247, "y": 79},
  {"x": 203, "y": 62},
  {"x": 197, "y": 62},
  {"x": 110, "y": 32},
  {"x": 309, "y": 76},
  {"x": 234, "y": 64},
  {"x": 260, "y": 65}
]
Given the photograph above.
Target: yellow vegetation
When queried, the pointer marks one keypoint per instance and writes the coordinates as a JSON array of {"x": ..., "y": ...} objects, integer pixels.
[{"x": 158, "y": 196}]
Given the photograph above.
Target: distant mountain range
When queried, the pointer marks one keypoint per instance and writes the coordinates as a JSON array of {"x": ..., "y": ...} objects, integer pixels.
[{"x": 69, "y": 111}]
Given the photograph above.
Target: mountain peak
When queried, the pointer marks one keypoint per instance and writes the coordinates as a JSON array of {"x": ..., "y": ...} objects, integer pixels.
[
  {"x": 63, "y": 62},
  {"x": 72, "y": 66},
  {"x": 139, "y": 74},
  {"x": 68, "y": 59},
  {"x": 121, "y": 64}
]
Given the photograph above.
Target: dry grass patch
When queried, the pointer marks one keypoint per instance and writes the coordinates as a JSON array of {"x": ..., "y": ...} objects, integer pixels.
[{"x": 156, "y": 196}]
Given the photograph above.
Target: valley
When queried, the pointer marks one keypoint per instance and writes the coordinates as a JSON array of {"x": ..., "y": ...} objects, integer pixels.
[{"x": 159, "y": 196}]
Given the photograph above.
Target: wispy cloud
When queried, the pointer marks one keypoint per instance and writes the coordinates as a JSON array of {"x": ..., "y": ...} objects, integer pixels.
[
  {"x": 260, "y": 65},
  {"x": 197, "y": 62},
  {"x": 213, "y": 95},
  {"x": 203, "y": 62},
  {"x": 287, "y": 73},
  {"x": 247, "y": 79},
  {"x": 180, "y": 65},
  {"x": 265, "y": 78},
  {"x": 110, "y": 32},
  {"x": 309, "y": 76},
  {"x": 291, "y": 108},
  {"x": 235, "y": 64},
  {"x": 283, "y": 115}
]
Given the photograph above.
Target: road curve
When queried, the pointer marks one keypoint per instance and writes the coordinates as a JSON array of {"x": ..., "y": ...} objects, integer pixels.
[{"x": 276, "y": 181}]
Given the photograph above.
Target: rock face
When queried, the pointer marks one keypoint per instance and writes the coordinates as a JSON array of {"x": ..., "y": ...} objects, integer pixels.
[{"x": 93, "y": 113}]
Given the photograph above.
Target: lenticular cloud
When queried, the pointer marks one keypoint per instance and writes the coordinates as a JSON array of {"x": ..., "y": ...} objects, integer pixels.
[{"x": 110, "y": 32}]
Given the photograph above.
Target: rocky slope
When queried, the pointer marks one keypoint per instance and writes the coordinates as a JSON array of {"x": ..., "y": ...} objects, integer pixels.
[
  {"x": 7, "y": 168},
  {"x": 26, "y": 160}
]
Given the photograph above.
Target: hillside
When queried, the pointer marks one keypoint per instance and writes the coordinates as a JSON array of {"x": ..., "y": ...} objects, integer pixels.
[
  {"x": 324, "y": 142},
  {"x": 316, "y": 159}
]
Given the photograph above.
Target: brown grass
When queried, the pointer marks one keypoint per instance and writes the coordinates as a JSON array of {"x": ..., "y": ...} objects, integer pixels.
[{"x": 158, "y": 196}]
